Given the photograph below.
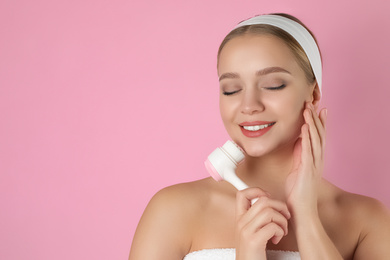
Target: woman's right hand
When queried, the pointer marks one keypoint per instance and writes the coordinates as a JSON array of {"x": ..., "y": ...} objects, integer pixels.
[{"x": 265, "y": 220}]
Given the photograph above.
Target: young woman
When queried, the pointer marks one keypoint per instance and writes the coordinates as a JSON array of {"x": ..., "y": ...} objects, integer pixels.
[{"x": 269, "y": 69}]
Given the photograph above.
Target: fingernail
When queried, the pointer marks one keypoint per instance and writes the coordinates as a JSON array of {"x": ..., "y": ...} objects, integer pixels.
[{"x": 326, "y": 112}]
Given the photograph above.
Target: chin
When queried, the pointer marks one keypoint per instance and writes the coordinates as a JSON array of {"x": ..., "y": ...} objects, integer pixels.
[
  {"x": 254, "y": 149},
  {"x": 255, "y": 154}
]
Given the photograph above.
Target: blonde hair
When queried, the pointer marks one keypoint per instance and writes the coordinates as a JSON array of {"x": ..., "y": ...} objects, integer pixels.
[{"x": 294, "y": 46}]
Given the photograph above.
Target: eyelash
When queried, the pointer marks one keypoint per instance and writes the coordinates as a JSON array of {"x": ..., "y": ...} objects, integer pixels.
[
  {"x": 230, "y": 93},
  {"x": 277, "y": 88},
  {"x": 273, "y": 88}
]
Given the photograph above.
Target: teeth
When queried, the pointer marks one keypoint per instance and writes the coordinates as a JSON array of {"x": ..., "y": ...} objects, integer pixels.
[{"x": 256, "y": 127}]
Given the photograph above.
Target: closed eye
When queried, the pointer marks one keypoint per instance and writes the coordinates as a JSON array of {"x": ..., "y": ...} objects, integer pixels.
[
  {"x": 230, "y": 93},
  {"x": 277, "y": 88}
]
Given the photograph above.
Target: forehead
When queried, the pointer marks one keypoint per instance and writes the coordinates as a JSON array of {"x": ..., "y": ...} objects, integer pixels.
[{"x": 257, "y": 52}]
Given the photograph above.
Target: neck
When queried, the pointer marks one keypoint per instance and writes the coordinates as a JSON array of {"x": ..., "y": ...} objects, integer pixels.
[{"x": 268, "y": 172}]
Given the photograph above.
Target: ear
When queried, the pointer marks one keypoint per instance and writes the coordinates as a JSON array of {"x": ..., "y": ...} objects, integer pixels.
[{"x": 315, "y": 96}]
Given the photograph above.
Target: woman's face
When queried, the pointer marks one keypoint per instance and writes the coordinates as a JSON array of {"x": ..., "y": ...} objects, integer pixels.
[{"x": 262, "y": 93}]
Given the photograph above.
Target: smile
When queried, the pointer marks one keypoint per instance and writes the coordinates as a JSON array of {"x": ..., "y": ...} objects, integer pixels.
[{"x": 256, "y": 127}]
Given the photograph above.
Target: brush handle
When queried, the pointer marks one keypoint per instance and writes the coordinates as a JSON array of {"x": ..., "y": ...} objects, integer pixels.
[{"x": 233, "y": 179}]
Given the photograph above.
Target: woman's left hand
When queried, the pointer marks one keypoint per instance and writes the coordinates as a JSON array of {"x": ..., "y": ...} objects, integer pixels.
[{"x": 303, "y": 181}]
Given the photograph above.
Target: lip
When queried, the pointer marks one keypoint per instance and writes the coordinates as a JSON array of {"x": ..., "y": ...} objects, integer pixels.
[
  {"x": 255, "y": 123},
  {"x": 257, "y": 133}
]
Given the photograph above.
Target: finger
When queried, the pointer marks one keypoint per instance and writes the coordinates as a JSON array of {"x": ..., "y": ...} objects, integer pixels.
[
  {"x": 267, "y": 216},
  {"x": 307, "y": 157},
  {"x": 323, "y": 118},
  {"x": 297, "y": 153},
  {"x": 244, "y": 197},
  {"x": 271, "y": 231},
  {"x": 314, "y": 136},
  {"x": 276, "y": 238},
  {"x": 319, "y": 121},
  {"x": 265, "y": 203},
  {"x": 263, "y": 206},
  {"x": 320, "y": 124}
]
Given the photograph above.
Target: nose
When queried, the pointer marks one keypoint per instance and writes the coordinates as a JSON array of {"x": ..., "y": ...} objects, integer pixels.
[{"x": 252, "y": 103}]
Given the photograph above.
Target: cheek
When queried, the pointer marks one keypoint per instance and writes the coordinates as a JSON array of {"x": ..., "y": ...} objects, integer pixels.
[
  {"x": 227, "y": 110},
  {"x": 225, "y": 114},
  {"x": 223, "y": 111},
  {"x": 296, "y": 125},
  {"x": 293, "y": 115}
]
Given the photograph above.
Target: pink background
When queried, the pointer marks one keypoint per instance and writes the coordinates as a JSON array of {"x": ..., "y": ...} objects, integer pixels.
[{"x": 103, "y": 103}]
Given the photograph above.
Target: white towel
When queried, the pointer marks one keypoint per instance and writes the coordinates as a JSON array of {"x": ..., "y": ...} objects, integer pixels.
[{"x": 230, "y": 254}]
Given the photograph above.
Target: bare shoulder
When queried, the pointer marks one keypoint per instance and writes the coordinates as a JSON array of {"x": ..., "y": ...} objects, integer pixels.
[
  {"x": 364, "y": 222},
  {"x": 374, "y": 220},
  {"x": 165, "y": 230},
  {"x": 182, "y": 198},
  {"x": 368, "y": 210},
  {"x": 358, "y": 209}
]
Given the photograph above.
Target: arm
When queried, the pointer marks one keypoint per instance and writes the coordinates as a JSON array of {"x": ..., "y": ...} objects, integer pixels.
[
  {"x": 374, "y": 242},
  {"x": 302, "y": 189},
  {"x": 162, "y": 230},
  {"x": 313, "y": 241}
]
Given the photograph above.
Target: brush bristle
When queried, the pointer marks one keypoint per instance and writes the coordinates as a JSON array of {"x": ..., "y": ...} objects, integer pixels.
[
  {"x": 238, "y": 147},
  {"x": 233, "y": 151}
]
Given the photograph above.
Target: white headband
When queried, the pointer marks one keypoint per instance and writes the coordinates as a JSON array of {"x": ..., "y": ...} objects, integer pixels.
[{"x": 300, "y": 34}]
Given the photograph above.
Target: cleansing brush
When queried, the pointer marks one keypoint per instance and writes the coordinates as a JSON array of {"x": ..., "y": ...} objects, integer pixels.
[{"x": 222, "y": 163}]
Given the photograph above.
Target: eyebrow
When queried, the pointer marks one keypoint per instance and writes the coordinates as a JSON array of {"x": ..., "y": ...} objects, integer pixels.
[{"x": 232, "y": 75}]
